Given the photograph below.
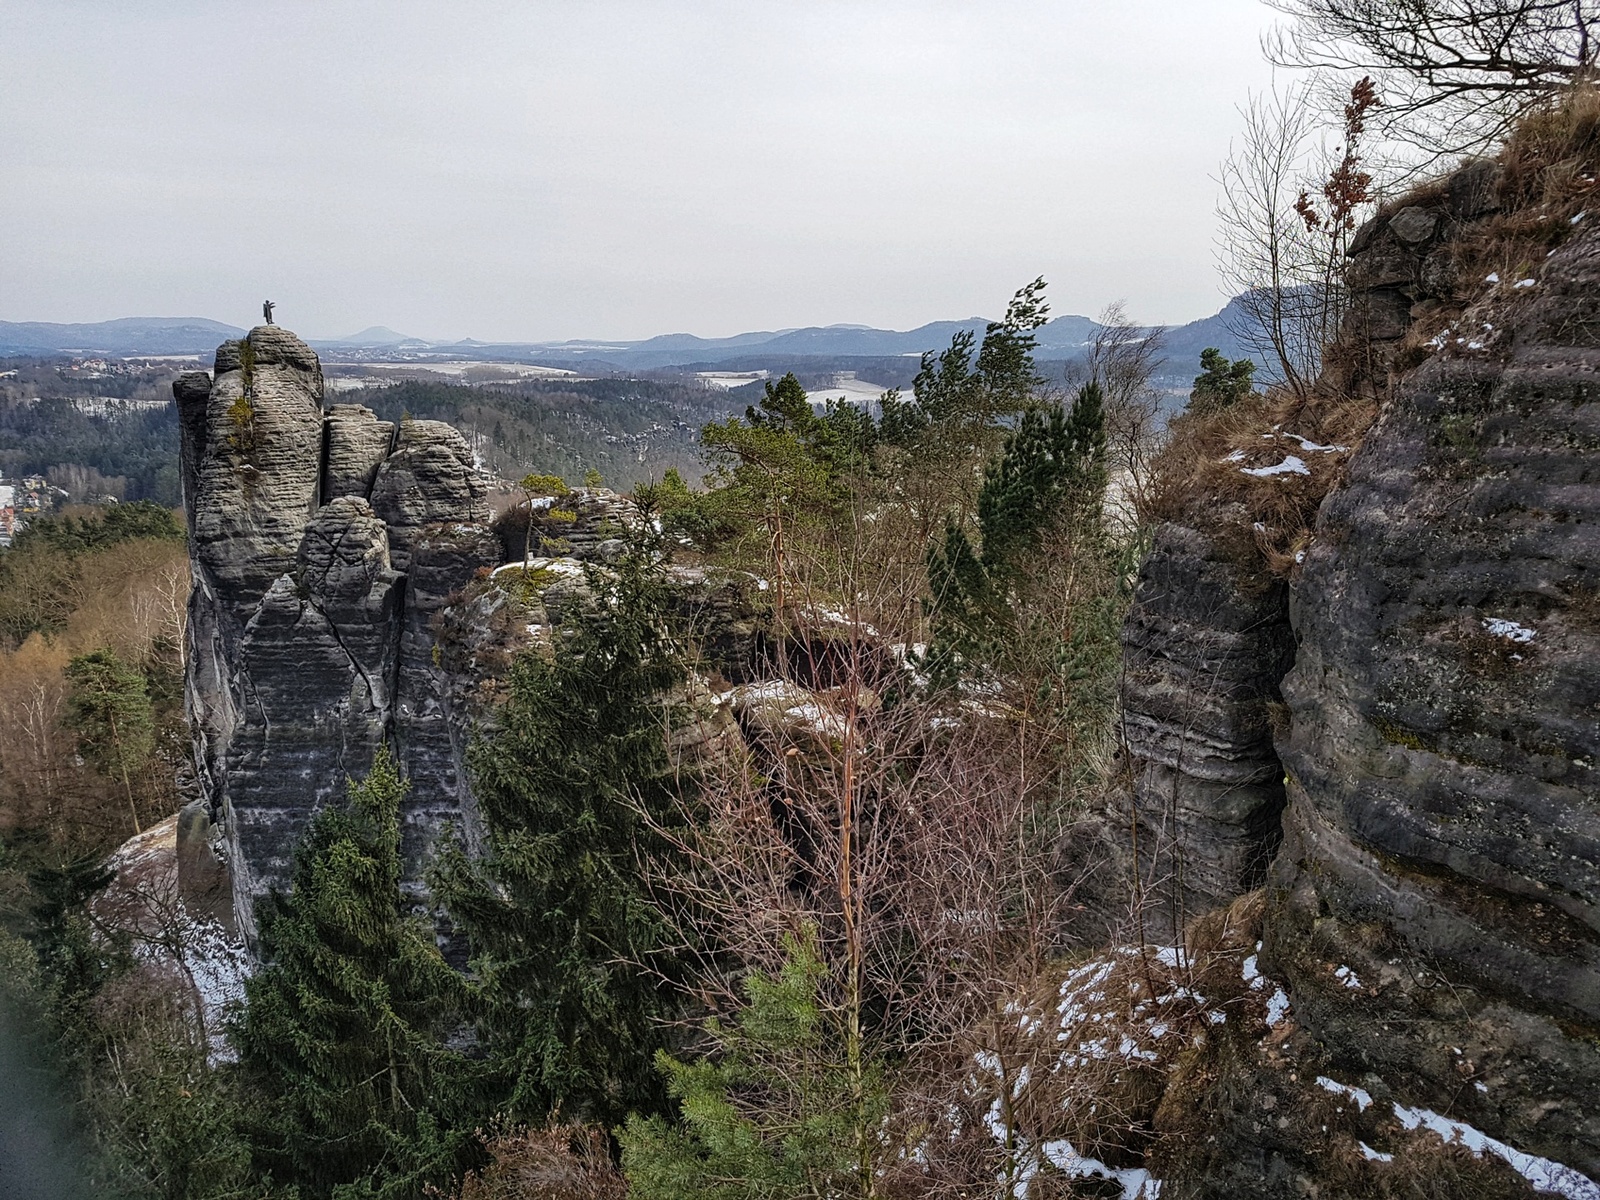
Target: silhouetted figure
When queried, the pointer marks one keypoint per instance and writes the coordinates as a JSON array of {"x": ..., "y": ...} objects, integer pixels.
[{"x": 266, "y": 310}]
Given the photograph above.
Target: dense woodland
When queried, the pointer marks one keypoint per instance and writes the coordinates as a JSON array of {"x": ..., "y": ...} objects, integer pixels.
[
  {"x": 629, "y": 430},
  {"x": 762, "y": 971},
  {"x": 106, "y": 431}
]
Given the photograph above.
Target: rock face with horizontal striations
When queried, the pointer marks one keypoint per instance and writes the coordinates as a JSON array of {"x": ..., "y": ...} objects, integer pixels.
[
  {"x": 428, "y": 479},
  {"x": 1442, "y": 837},
  {"x": 1205, "y": 644},
  {"x": 357, "y": 445},
  {"x": 1209, "y": 635},
  {"x": 319, "y": 558},
  {"x": 431, "y": 740},
  {"x": 1430, "y": 936}
]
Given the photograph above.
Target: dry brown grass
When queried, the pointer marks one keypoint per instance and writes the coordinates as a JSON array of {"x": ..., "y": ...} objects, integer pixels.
[
  {"x": 1204, "y": 471},
  {"x": 1550, "y": 175},
  {"x": 562, "y": 1162}
]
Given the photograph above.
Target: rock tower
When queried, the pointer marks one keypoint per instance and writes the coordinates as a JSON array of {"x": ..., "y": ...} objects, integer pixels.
[{"x": 322, "y": 542}]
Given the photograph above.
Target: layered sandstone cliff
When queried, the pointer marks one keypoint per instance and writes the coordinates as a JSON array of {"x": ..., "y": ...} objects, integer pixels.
[
  {"x": 322, "y": 541},
  {"x": 1403, "y": 718},
  {"x": 1442, "y": 835}
]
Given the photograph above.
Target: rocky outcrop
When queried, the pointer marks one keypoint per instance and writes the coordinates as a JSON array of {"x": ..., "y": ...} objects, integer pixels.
[
  {"x": 587, "y": 523},
  {"x": 1431, "y": 925},
  {"x": 357, "y": 445},
  {"x": 1208, "y": 636},
  {"x": 725, "y": 615},
  {"x": 1205, "y": 644},
  {"x": 431, "y": 739},
  {"x": 430, "y": 478},
  {"x": 1442, "y": 837},
  {"x": 319, "y": 558}
]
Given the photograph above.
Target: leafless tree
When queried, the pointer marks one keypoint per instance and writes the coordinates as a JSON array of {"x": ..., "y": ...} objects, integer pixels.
[
  {"x": 1122, "y": 357},
  {"x": 1455, "y": 74},
  {"x": 1290, "y": 203}
]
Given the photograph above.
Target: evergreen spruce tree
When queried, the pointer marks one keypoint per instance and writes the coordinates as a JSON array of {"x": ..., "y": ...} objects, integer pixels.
[
  {"x": 343, "y": 1030},
  {"x": 1086, "y": 451},
  {"x": 113, "y": 716},
  {"x": 556, "y": 913}
]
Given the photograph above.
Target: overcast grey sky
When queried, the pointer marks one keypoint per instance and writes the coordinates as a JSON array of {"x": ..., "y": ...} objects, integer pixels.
[{"x": 542, "y": 169}]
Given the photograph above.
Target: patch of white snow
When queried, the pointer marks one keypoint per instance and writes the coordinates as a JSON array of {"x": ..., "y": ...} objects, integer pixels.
[
  {"x": 1544, "y": 1174},
  {"x": 1277, "y": 1008},
  {"x": 1510, "y": 630},
  {"x": 1316, "y": 447},
  {"x": 1292, "y": 465},
  {"x": 1136, "y": 1182}
]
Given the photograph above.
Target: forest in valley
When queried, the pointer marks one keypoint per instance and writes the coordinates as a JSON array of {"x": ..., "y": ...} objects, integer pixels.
[
  {"x": 808, "y": 955},
  {"x": 761, "y": 964}
]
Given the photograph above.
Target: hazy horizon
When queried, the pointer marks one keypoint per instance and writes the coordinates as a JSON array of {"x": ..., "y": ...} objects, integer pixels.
[{"x": 615, "y": 171}]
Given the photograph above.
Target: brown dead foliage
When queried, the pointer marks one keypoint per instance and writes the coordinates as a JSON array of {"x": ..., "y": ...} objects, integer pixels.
[
  {"x": 1205, "y": 470},
  {"x": 561, "y": 1162}
]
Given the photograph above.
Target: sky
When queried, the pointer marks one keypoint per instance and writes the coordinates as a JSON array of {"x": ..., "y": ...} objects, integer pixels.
[{"x": 539, "y": 169}]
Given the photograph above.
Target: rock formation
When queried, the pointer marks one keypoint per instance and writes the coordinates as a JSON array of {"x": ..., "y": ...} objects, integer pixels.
[
  {"x": 1209, "y": 636},
  {"x": 322, "y": 542},
  {"x": 1433, "y": 912},
  {"x": 1205, "y": 645},
  {"x": 1442, "y": 836}
]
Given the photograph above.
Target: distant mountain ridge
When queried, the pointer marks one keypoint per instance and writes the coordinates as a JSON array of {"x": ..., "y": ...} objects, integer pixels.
[
  {"x": 1064, "y": 338},
  {"x": 125, "y": 335}
]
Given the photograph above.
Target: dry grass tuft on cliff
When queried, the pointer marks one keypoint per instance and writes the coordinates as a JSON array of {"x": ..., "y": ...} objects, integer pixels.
[
  {"x": 1254, "y": 475},
  {"x": 1546, "y": 187},
  {"x": 1273, "y": 458}
]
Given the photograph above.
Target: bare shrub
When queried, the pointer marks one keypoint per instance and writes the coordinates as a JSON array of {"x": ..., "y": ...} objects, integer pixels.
[
  {"x": 1457, "y": 75},
  {"x": 561, "y": 1162}
]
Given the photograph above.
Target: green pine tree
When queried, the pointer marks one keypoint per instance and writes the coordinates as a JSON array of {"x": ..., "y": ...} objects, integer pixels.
[
  {"x": 956, "y": 404},
  {"x": 1220, "y": 384},
  {"x": 343, "y": 1030},
  {"x": 774, "y": 1109},
  {"x": 1051, "y": 470},
  {"x": 556, "y": 913},
  {"x": 113, "y": 716}
]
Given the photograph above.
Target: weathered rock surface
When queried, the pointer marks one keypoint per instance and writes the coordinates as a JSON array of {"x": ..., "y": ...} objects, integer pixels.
[
  {"x": 357, "y": 445},
  {"x": 1433, "y": 913},
  {"x": 256, "y": 481},
  {"x": 1208, "y": 637},
  {"x": 432, "y": 746},
  {"x": 589, "y": 524},
  {"x": 310, "y": 620},
  {"x": 1443, "y": 830},
  {"x": 428, "y": 479},
  {"x": 1205, "y": 644},
  {"x": 251, "y": 449},
  {"x": 726, "y": 615}
]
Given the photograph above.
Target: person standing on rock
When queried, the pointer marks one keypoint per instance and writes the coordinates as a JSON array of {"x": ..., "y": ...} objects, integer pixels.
[{"x": 266, "y": 310}]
